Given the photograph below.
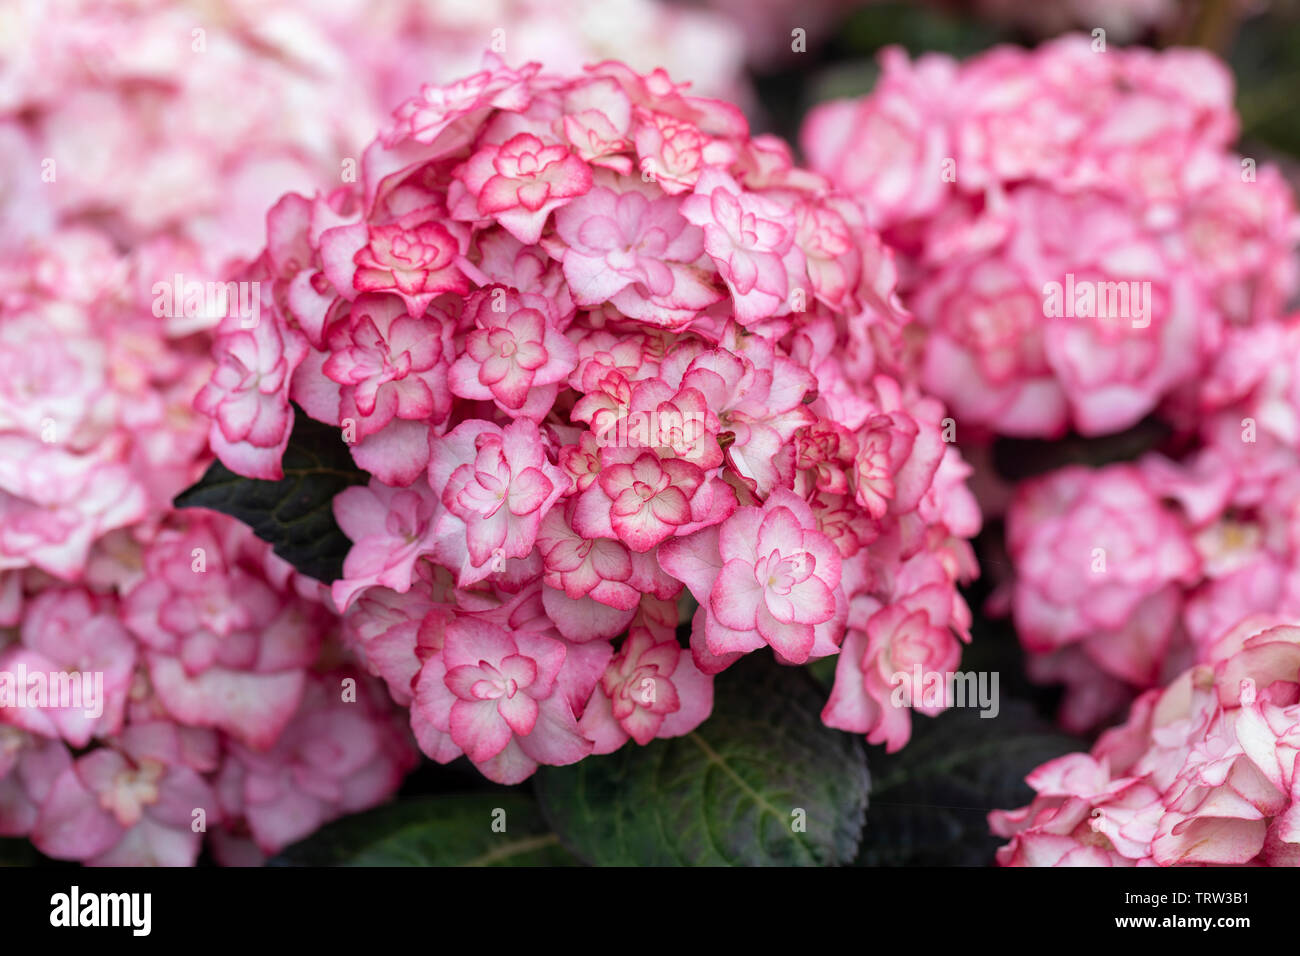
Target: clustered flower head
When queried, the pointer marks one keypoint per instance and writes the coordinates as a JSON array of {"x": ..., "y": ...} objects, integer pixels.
[
  {"x": 149, "y": 117},
  {"x": 636, "y": 396},
  {"x": 145, "y": 141},
  {"x": 1202, "y": 773},
  {"x": 208, "y": 700},
  {"x": 1076, "y": 237},
  {"x": 1126, "y": 574},
  {"x": 95, "y": 425},
  {"x": 403, "y": 43},
  {"x": 1083, "y": 251},
  {"x": 613, "y": 364},
  {"x": 186, "y": 118}
]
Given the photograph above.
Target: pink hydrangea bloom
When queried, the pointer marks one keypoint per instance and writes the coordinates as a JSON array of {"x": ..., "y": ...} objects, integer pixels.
[
  {"x": 344, "y": 752},
  {"x": 73, "y": 632},
  {"x": 889, "y": 649},
  {"x": 636, "y": 250},
  {"x": 175, "y": 629},
  {"x": 503, "y": 699},
  {"x": 497, "y": 485},
  {"x": 248, "y": 397},
  {"x": 213, "y": 122},
  {"x": 651, "y": 689},
  {"x": 388, "y": 365},
  {"x": 622, "y": 380},
  {"x": 158, "y": 125},
  {"x": 171, "y": 621},
  {"x": 764, "y": 576},
  {"x": 203, "y": 638},
  {"x": 412, "y": 258},
  {"x": 1126, "y": 574},
  {"x": 225, "y": 647},
  {"x": 515, "y": 350},
  {"x": 29, "y": 766},
  {"x": 1100, "y": 560},
  {"x": 401, "y": 43},
  {"x": 1075, "y": 235},
  {"x": 1200, "y": 774},
  {"x": 117, "y": 808},
  {"x": 519, "y": 183}
]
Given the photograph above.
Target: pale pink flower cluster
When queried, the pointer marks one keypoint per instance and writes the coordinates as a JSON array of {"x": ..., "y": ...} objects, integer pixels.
[
  {"x": 1075, "y": 234},
  {"x": 1202, "y": 773},
  {"x": 95, "y": 426},
  {"x": 404, "y": 43},
  {"x": 1102, "y": 564},
  {"x": 207, "y": 698},
  {"x": 1126, "y": 574},
  {"x": 1084, "y": 251},
  {"x": 595, "y": 342},
  {"x": 144, "y": 141},
  {"x": 153, "y": 116},
  {"x": 146, "y": 117}
]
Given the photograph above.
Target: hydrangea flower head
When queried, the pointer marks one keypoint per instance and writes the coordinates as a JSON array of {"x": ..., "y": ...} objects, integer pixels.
[
  {"x": 1077, "y": 237},
  {"x": 1200, "y": 774},
  {"x": 594, "y": 342}
]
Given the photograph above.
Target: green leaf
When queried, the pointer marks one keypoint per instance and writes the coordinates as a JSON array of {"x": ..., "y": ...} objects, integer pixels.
[
  {"x": 294, "y": 514},
  {"x": 447, "y": 830},
  {"x": 728, "y": 793},
  {"x": 930, "y": 801}
]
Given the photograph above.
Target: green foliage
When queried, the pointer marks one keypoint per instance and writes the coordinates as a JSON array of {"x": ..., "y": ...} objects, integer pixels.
[
  {"x": 761, "y": 782},
  {"x": 294, "y": 514},
  {"x": 447, "y": 830},
  {"x": 930, "y": 801}
]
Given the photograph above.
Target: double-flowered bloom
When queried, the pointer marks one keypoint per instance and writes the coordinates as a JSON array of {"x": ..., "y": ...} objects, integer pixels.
[
  {"x": 1075, "y": 234},
  {"x": 615, "y": 366},
  {"x": 144, "y": 142},
  {"x": 158, "y": 668},
  {"x": 1126, "y": 573},
  {"x": 1202, "y": 772}
]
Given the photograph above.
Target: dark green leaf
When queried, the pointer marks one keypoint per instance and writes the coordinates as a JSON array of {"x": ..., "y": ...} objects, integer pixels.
[
  {"x": 930, "y": 801},
  {"x": 294, "y": 514},
  {"x": 448, "y": 830},
  {"x": 729, "y": 793}
]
